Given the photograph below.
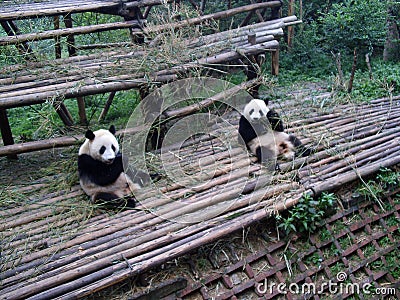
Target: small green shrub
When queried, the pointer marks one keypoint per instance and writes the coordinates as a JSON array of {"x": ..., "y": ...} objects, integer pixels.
[{"x": 308, "y": 214}]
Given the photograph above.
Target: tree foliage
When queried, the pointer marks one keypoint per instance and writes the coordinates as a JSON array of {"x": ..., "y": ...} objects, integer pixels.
[{"x": 354, "y": 24}]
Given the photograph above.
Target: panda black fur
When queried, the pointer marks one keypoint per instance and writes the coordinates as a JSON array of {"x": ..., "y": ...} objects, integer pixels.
[
  {"x": 101, "y": 170},
  {"x": 261, "y": 130}
]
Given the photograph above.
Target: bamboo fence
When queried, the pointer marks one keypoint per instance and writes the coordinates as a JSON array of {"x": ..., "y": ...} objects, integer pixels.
[{"x": 50, "y": 250}]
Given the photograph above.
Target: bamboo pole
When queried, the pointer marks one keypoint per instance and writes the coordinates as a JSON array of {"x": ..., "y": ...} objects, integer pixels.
[
  {"x": 214, "y": 16},
  {"x": 340, "y": 180},
  {"x": 52, "y": 143},
  {"x": 180, "y": 112},
  {"x": 65, "y": 32}
]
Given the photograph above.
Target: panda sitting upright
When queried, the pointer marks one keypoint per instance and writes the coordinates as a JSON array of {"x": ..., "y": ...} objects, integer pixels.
[
  {"x": 261, "y": 130},
  {"x": 101, "y": 172}
]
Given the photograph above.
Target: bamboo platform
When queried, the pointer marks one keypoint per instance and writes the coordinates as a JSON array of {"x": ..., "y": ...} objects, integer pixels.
[{"x": 53, "y": 247}]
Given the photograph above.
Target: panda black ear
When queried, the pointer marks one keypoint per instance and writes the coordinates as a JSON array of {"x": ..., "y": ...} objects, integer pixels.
[
  {"x": 112, "y": 129},
  {"x": 89, "y": 135},
  {"x": 266, "y": 101}
]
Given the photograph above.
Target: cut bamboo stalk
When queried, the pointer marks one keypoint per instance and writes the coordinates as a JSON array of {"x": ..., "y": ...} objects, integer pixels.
[
  {"x": 340, "y": 180},
  {"x": 65, "y": 32},
  {"x": 214, "y": 16},
  {"x": 53, "y": 143},
  {"x": 107, "y": 106}
]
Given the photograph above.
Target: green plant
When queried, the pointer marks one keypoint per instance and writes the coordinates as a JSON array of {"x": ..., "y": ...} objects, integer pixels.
[
  {"x": 374, "y": 189},
  {"x": 392, "y": 261},
  {"x": 313, "y": 259},
  {"x": 307, "y": 215},
  {"x": 325, "y": 234},
  {"x": 388, "y": 178},
  {"x": 354, "y": 24}
]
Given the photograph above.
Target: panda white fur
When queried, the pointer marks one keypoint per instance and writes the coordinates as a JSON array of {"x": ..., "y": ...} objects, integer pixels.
[
  {"x": 101, "y": 170},
  {"x": 261, "y": 130}
]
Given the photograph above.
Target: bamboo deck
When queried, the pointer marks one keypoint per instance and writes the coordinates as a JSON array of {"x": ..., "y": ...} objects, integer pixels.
[{"x": 53, "y": 247}]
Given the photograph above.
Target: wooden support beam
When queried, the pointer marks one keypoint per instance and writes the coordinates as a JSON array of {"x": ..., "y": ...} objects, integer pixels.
[
  {"x": 57, "y": 45},
  {"x": 82, "y": 110},
  {"x": 59, "y": 142},
  {"x": 64, "y": 113},
  {"x": 70, "y": 37},
  {"x": 275, "y": 62},
  {"x": 290, "y": 28},
  {"x": 107, "y": 106},
  {"x": 6, "y": 132},
  {"x": 50, "y": 34},
  {"x": 147, "y": 11}
]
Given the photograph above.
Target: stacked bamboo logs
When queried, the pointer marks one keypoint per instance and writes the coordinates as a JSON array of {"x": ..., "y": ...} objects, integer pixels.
[
  {"x": 107, "y": 72},
  {"x": 81, "y": 255},
  {"x": 50, "y": 34}
]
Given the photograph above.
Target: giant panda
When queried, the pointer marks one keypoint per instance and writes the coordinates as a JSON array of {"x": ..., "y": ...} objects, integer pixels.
[
  {"x": 261, "y": 130},
  {"x": 101, "y": 170}
]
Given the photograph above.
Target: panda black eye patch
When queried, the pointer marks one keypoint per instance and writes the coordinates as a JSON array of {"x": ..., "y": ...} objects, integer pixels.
[
  {"x": 261, "y": 113},
  {"x": 251, "y": 111},
  {"x": 113, "y": 148},
  {"x": 102, "y": 150}
]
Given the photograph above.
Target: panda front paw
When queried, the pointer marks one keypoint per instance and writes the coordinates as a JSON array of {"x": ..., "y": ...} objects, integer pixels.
[{"x": 275, "y": 120}]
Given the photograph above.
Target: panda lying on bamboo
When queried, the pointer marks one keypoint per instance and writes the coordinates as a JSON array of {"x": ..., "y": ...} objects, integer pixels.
[
  {"x": 261, "y": 130},
  {"x": 101, "y": 170}
]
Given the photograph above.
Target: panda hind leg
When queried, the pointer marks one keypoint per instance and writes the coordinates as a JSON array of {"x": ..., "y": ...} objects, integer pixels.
[
  {"x": 113, "y": 201},
  {"x": 301, "y": 150}
]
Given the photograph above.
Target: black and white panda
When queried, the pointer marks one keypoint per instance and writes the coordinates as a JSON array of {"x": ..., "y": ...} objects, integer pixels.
[
  {"x": 101, "y": 170},
  {"x": 261, "y": 130}
]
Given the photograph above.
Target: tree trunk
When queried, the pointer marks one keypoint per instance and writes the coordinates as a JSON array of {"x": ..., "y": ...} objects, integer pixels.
[{"x": 391, "y": 51}]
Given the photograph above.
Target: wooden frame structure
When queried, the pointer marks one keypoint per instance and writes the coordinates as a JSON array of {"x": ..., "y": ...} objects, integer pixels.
[{"x": 19, "y": 87}]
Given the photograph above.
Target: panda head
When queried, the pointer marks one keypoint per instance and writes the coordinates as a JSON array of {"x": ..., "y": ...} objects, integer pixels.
[
  {"x": 255, "y": 110},
  {"x": 101, "y": 145}
]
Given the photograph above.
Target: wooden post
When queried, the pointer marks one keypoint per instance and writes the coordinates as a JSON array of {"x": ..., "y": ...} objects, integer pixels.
[
  {"x": 81, "y": 110},
  {"x": 70, "y": 38},
  {"x": 203, "y": 5},
  {"x": 353, "y": 71},
  {"x": 275, "y": 62},
  {"x": 81, "y": 101},
  {"x": 301, "y": 15},
  {"x": 131, "y": 14},
  {"x": 6, "y": 132},
  {"x": 57, "y": 46},
  {"x": 107, "y": 106},
  {"x": 63, "y": 112},
  {"x": 275, "y": 12},
  {"x": 290, "y": 28}
]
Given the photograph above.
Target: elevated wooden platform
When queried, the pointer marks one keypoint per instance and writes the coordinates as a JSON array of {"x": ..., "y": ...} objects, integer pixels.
[
  {"x": 153, "y": 55},
  {"x": 54, "y": 246}
]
